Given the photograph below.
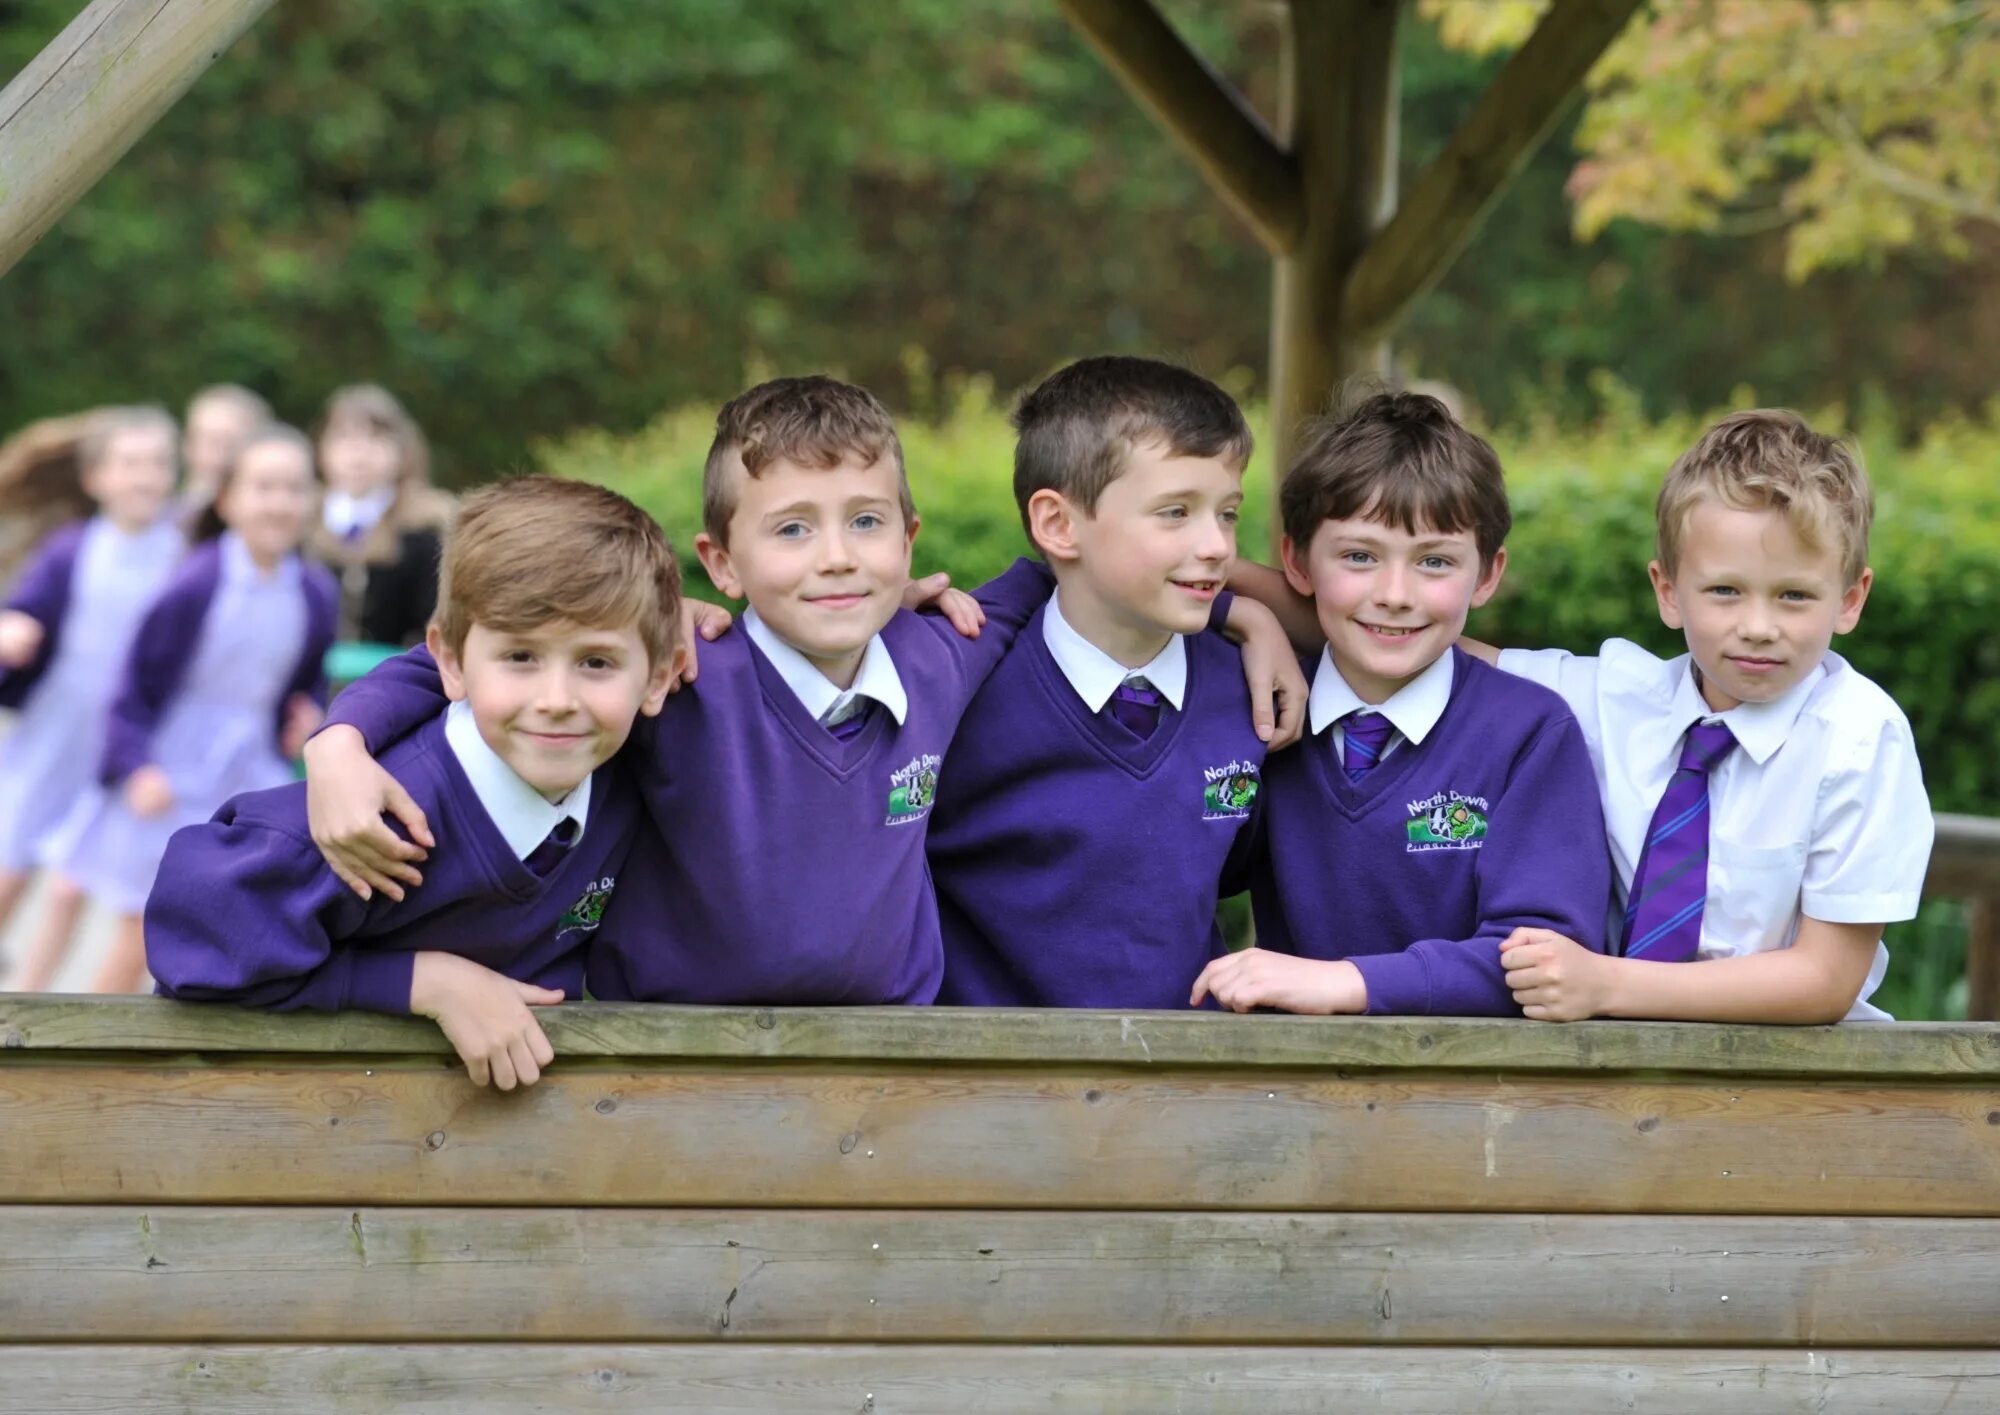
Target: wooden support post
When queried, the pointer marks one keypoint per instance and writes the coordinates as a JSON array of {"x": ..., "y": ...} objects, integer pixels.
[
  {"x": 1982, "y": 959},
  {"x": 1226, "y": 139},
  {"x": 1339, "y": 120},
  {"x": 84, "y": 100},
  {"x": 1447, "y": 204}
]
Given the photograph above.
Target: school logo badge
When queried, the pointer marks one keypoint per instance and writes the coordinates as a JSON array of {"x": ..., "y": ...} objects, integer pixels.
[
  {"x": 912, "y": 789},
  {"x": 1228, "y": 792},
  {"x": 588, "y": 912},
  {"x": 1447, "y": 821}
]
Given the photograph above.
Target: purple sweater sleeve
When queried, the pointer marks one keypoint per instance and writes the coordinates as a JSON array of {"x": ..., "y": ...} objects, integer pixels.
[
  {"x": 1544, "y": 865},
  {"x": 1010, "y": 600},
  {"x": 42, "y": 593},
  {"x": 245, "y": 912},
  {"x": 391, "y": 701},
  {"x": 159, "y": 656}
]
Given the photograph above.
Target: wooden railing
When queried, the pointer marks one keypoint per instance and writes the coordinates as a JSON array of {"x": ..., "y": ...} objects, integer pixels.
[
  {"x": 1965, "y": 864},
  {"x": 953, "y": 1211}
]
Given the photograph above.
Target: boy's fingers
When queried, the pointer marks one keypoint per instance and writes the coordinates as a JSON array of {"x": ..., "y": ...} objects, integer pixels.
[
  {"x": 538, "y": 1046},
  {"x": 503, "y": 1069},
  {"x": 353, "y": 881},
  {"x": 405, "y": 809},
  {"x": 538, "y": 996},
  {"x": 477, "y": 1069},
  {"x": 523, "y": 1058},
  {"x": 1262, "y": 717}
]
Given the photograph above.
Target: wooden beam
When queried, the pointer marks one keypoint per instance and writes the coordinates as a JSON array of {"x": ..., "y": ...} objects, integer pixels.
[
  {"x": 185, "y": 1273},
  {"x": 39, "y": 1028},
  {"x": 710, "y": 1378},
  {"x": 1200, "y": 110},
  {"x": 592, "y": 1133},
  {"x": 1448, "y": 202},
  {"x": 92, "y": 93}
]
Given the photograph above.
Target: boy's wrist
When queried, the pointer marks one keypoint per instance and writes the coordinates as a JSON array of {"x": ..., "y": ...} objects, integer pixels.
[{"x": 331, "y": 742}]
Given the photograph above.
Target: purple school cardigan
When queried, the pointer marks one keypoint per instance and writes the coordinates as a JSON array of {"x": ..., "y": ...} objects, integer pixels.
[
  {"x": 43, "y": 594},
  {"x": 166, "y": 641}
]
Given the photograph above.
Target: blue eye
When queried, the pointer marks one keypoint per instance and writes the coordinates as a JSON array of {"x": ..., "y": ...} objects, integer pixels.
[
  {"x": 1231, "y": 516},
  {"x": 869, "y": 521},
  {"x": 1357, "y": 557},
  {"x": 791, "y": 530}
]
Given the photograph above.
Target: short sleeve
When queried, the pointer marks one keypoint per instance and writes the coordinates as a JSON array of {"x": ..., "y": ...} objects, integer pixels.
[
  {"x": 1572, "y": 677},
  {"x": 1872, "y": 831}
]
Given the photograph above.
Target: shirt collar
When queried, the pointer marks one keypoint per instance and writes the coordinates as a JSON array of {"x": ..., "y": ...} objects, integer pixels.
[
  {"x": 239, "y": 568},
  {"x": 1413, "y": 709},
  {"x": 877, "y": 677},
  {"x": 343, "y": 511},
  {"x": 1096, "y": 675},
  {"x": 1759, "y": 728},
  {"x": 520, "y": 812}
]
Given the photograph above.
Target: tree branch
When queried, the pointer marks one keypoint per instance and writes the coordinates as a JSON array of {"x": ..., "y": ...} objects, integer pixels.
[
  {"x": 1901, "y": 180},
  {"x": 1230, "y": 144},
  {"x": 1446, "y": 205}
]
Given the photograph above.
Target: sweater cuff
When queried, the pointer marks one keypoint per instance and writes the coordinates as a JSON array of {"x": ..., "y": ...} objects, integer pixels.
[
  {"x": 380, "y": 982},
  {"x": 1399, "y": 984},
  {"x": 1218, "y": 612}
]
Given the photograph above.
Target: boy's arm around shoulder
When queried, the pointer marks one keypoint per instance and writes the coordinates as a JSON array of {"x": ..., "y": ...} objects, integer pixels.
[
  {"x": 1543, "y": 865},
  {"x": 391, "y": 700},
  {"x": 1009, "y": 600},
  {"x": 244, "y": 910}
]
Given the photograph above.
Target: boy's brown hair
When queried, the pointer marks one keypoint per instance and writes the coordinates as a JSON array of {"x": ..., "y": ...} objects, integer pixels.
[
  {"x": 810, "y": 422},
  {"x": 1771, "y": 459},
  {"x": 1401, "y": 459},
  {"x": 526, "y": 552},
  {"x": 1076, "y": 430}
]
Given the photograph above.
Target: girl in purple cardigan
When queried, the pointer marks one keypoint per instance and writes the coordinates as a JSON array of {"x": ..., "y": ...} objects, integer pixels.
[
  {"x": 221, "y": 687},
  {"x": 63, "y": 636}
]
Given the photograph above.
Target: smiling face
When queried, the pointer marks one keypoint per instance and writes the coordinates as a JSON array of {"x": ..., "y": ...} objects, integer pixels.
[
  {"x": 133, "y": 478},
  {"x": 1390, "y": 602},
  {"x": 1148, "y": 561},
  {"x": 1759, "y": 606},
  {"x": 267, "y": 498},
  {"x": 554, "y": 702},
  {"x": 358, "y": 457},
  {"x": 822, "y": 554}
]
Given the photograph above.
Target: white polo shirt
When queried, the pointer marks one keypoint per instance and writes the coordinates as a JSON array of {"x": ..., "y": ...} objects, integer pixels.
[
  {"x": 523, "y": 815},
  {"x": 1413, "y": 709},
  {"x": 1820, "y": 810},
  {"x": 1096, "y": 675},
  {"x": 876, "y": 678}
]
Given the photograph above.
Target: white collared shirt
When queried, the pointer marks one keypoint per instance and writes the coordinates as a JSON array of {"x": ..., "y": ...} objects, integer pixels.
[
  {"x": 1413, "y": 709},
  {"x": 1820, "y": 810},
  {"x": 1096, "y": 675},
  {"x": 343, "y": 512},
  {"x": 522, "y": 814},
  {"x": 876, "y": 678}
]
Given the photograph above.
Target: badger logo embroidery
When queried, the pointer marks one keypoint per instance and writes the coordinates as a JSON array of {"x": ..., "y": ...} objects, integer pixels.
[
  {"x": 913, "y": 788},
  {"x": 1228, "y": 792},
  {"x": 588, "y": 912},
  {"x": 1447, "y": 821}
]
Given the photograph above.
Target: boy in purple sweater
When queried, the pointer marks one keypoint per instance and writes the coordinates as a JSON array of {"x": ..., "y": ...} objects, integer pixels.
[
  {"x": 1438, "y": 804},
  {"x": 1100, "y": 792},
  {"x": 554, "y": 630},
  {"x": 790, "y": 788}
]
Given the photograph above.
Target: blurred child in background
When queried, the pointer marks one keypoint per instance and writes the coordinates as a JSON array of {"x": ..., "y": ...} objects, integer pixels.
[
  {"x": 222, "y": 686},
  {"x": 41, "y": 487},
  {"x": 219, "y": 417},
  {"x": 64, "y": 636},
  {"x": 382, "y": 522}
]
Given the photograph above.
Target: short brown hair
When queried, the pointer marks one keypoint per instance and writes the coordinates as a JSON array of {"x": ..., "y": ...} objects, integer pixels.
[
  {"x": 377, "y": 409},
  {"x": 106, "y": 424},
  {"x": 1771, "y": 459},
  {"x": 246, "y": 401},
  {"x": 536, "y": 549},
  {"x": 814, "y": 421},
  {"x": 1076, "y": 430},
  {"x": 1401, "y": 459}
]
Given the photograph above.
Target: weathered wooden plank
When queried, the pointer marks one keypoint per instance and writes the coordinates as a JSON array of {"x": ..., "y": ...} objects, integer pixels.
[
  {"x": 976, "y": 1380},
  {"x": 287, "y": 1274},
  {"x": 1223, "y": 136},
  {"x": 92, "y": 93},
  {"x": 778, "y": 1136},
  {"x": 1448, "y": 202},
  {"x": 1965, "y": 860},
  {"x": 947, "y": 1036}
]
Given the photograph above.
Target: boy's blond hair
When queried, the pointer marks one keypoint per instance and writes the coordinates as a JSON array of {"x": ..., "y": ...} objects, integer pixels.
[
  {"x": 533, "y": 550},
  {"x": 814, "y": 421},
  {"x": 1771, "y": 459}
]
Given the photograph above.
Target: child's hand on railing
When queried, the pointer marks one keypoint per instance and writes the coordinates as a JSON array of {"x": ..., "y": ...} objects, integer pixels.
[
  {"x": 485, "y": 1016},
  {"x": 20, "y": 638},
  {"x": 347, "y": 794},
  {"x": 1555, "y": 979},
  {"x": 149, "y": 793},
  {"x": 961, "y": 610}
]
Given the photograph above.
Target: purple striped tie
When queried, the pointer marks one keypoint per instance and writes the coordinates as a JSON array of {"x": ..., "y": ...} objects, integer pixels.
[
  {"x": 1663, "y": 915},
  {"x": 845, "y": 727},
  {"x": 1363, "y": 737},
  {"x": 1136, "y": 707},
  {"x": 543, "y": 859}
]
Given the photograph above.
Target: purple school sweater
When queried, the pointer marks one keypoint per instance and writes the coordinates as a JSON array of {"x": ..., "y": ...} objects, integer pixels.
[
  {"x": 786, "y": 865},
  {"x": 166, "y": 643},
  {"x": 1076, "y": 865},
  {"x": 1417, "y": 872},
  {"x": 43, "y": 593},
  {"x": 245, "y": 910}
]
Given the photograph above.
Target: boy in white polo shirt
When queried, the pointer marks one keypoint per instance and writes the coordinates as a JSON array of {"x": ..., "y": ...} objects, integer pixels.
[{"x": 1766, "y": 812}]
